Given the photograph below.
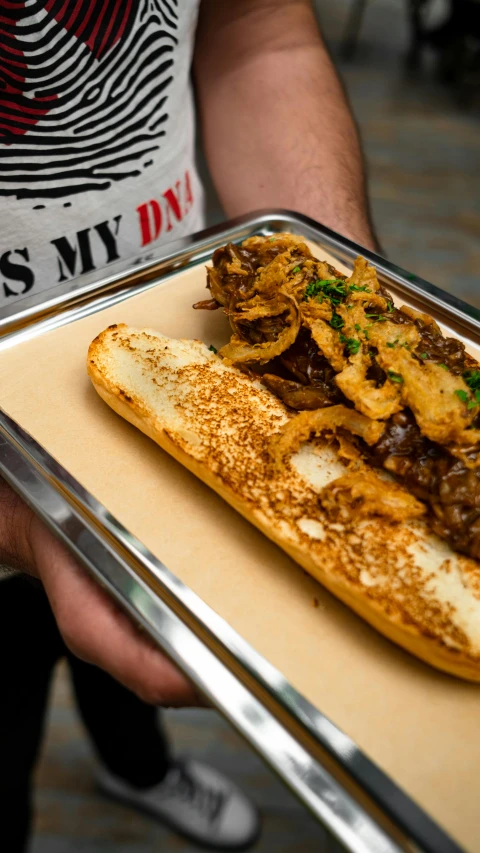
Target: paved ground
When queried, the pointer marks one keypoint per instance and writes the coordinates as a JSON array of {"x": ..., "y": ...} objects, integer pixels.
[{"x": 424, "y": 162}]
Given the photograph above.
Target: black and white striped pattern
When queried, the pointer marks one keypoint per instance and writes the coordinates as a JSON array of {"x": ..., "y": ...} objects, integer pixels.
[{"x": 85, "y": 92}]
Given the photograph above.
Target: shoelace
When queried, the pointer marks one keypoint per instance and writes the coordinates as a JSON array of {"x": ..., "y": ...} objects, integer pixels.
[{"x": 207, "y": 801}]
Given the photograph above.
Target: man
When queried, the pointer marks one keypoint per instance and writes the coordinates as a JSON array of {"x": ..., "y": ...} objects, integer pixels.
[{"x": 97, "y": 146}]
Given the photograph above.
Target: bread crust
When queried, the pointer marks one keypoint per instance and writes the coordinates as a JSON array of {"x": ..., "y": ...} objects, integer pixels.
[{"x": 462, "y": 660}]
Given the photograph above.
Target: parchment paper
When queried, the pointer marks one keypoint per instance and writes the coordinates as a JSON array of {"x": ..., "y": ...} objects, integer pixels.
[{"x": 421, "y": 727}]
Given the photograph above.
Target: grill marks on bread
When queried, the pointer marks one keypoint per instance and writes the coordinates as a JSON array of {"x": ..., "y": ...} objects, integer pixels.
[{"x": 218, "y": 422}]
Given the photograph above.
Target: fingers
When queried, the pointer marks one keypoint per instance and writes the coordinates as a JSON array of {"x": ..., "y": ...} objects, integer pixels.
[
  {"x": 98, "y": 632},
  {"x": 15, "y": 521}
]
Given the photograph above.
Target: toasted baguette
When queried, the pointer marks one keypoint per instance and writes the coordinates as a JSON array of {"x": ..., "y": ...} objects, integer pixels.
[{"x": 213, "y": 419}]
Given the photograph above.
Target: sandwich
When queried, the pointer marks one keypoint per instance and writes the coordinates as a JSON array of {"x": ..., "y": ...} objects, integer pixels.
[{"x": 344, "y": 427}]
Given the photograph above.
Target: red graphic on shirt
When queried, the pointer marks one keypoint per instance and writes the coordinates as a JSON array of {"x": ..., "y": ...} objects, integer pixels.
[
  {"x": 14, "y": 67},
  {"x": 155, "y": 215},
  {"x": 100, "y": 24}
]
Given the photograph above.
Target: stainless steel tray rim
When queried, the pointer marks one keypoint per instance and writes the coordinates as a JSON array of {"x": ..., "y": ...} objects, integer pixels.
[
  {"x": 188, "y": 253},
  {"x": 308, "y": 779}
]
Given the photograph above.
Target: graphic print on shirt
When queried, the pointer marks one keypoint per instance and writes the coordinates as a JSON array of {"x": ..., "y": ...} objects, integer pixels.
[{"x": 84, "y": 92}]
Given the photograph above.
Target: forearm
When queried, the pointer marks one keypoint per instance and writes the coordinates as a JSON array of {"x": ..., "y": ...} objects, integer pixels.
[{"x": 277, "y": 128}]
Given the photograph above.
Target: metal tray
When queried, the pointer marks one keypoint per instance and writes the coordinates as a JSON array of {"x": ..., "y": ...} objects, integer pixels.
[{"x": 355, "y": 800}]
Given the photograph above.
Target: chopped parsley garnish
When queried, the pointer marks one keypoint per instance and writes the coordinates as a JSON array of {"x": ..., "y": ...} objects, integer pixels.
[
  {"x": 296, "y": 269},
  {"x": 472, "y": 378},
  {"x": 336, "y": 322},
  {"x": 272, "y": 239},
  {"x": 444, "y": 366},
  {"x": 358, "y": 327},
  {"x": 392, "y": 346},
  {"x": 394, "y": 377},
  {"x": 377, "y": 317},
  {"x": 333, "y": 281},
  {"x": 424, "y": 355},
  {"x": 311, "y": 290},
  {"x": 390, "y": 307},
  {"x": 353, "y": 345},
  {"x": 212, "y": 348},
  {"x": 331, "y": 288},
  {"x": 474, "y": 403},
  {"x": 461, "y": 394},
  {"x": 355, "y": 288}
]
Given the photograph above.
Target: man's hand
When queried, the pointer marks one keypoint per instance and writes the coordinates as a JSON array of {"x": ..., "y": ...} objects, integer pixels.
[
  {"x": 277, "y": 128},
  {"x": 92, "y": 626}
]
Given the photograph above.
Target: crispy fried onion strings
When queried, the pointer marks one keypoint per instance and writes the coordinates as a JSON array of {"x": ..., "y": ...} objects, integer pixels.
[
  {"x": 331, "y": 419},
  {"x": 239, "y": 351},
  {"x": 363, "y": 493}
]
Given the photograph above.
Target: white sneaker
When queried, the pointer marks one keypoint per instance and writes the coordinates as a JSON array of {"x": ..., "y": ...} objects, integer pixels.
[{"x": 195, "y": 801}]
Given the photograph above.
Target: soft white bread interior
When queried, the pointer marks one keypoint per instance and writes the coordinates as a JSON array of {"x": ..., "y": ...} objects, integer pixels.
[{"x": 217, "y": 422}]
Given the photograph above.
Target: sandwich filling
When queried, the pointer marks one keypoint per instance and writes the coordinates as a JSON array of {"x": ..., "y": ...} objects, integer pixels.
[{"x": 383, "y": 382}]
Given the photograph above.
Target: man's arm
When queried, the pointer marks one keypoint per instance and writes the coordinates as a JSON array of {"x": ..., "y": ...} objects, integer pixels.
[
  {"x": 277, "y": 128},
  {"x": 90, "y": 623}
]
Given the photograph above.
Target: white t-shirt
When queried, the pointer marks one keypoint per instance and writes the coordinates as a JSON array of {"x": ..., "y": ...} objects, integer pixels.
[{"x": 96, "y": 136}]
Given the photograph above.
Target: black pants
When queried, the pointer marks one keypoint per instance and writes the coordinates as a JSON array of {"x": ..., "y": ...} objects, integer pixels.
[{"x": 125, "y": 732}]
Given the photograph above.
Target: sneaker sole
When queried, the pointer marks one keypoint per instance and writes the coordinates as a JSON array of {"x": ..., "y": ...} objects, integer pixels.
[{"x": 202, "y": 845}]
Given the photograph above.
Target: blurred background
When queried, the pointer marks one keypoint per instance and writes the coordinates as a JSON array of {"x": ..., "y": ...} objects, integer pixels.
[
  {"x": 412, "y": 71},
  {"x": 417, "y": 103}
]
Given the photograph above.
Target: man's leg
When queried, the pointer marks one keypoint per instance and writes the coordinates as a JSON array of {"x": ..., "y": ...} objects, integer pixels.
[
  {"x": 30, "y": 646},
  {"x": 126, "y": 732},
  {"x": 190, "y": 797}
]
